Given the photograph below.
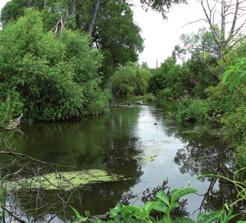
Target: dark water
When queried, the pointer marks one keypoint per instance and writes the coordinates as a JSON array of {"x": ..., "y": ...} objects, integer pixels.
[{"x": 137, "y": 142}]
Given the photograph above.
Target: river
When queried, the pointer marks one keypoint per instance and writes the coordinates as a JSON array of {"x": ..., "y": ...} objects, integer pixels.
[{"x": 139, "y": 142}]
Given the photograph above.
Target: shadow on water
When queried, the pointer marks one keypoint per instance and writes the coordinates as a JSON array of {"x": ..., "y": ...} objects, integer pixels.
[{"x": 138, "y": 142}]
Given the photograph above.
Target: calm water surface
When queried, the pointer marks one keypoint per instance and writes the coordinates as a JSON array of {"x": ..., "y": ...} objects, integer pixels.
[{"x": 137, "y": 142}]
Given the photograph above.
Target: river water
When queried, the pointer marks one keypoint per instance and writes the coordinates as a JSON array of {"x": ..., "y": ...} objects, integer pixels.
[{"x": 138, "y": 142}]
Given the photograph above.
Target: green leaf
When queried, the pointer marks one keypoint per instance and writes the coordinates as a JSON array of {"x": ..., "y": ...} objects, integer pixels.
[
  {"x": 159, "y": 206},
  {"x": 178, "y": 193},
  {"x": 148, "y": 206},
  {"x": 78, "y": 216},
  {"x": 183, "y": 220},
  {"x": 161, "y": 195},
  {"x": 209, "y": 218},
  {"x": 165, "y": 219}
]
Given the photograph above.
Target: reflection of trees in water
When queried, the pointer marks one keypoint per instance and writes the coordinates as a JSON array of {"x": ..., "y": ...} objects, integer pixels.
[
  {"x": 203, "y": 154},
  {"x": 97, "y": 199},
  {"x": 225, "y": 194},
  {"x": 79, "y": 143},
  {"x": 106, "y": 142}
]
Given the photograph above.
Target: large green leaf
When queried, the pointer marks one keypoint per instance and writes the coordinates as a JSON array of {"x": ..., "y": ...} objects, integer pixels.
[
  {"x": 161, "y": 195},
  {"x": 165, "y": 219},
  {"x": 160, "y": 206},
  {"x": 178, "y": 193}
]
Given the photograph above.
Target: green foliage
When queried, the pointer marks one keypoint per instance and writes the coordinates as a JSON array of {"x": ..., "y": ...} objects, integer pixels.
[
  {"x": 163, "y": 204},
  {"x": 117, "y": 47},
  {"x": 10, "y": 106},
  {"x": 130, "y": 80},
  {"x": 235, "y": 75},
  {"x": 175, "y": 81},
  {"x": 192, "y": 110},
  {"x": 196, "y": 45},
  {"x": 224, "y": 107},
  {"x": 227, "y": 102},
  {"x": 218, "y": 216},
  {"x": 55, "y": 76},
  {"x": 234, "y": 125},
  {"x": 161, "y": 5},
  {"x": 167, "y": 76},
  {"x": 159, "y": 210},
  {"x": 115, "y": 20},
  {"x": 234, "y": 128}
]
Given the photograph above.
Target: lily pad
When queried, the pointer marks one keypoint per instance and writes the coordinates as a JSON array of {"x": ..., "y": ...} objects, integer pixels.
[{"x": 63, "y": 180}]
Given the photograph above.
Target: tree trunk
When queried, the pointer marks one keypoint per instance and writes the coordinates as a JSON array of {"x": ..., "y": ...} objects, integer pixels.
[
  {"x": 72, "y": 7},
  {"x": 223, "y": 21},
  {"x": 94, "y": 17}
]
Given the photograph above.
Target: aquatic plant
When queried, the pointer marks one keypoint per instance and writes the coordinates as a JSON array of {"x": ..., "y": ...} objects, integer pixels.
[{"x": 63, "y": 180}]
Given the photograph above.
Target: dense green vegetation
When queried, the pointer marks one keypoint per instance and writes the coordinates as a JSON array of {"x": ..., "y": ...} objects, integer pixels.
[
  {"x": 61, "y": 60},
  {"x": 52, "y": 77},
  {"x": 207, "y": 89},
  {"x": 130, "y": 80},
  {"x": 56, "y": 59},
  {"x": 116, "y": 47}
]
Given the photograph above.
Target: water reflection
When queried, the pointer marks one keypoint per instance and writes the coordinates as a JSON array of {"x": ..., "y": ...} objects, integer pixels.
[{"x": 137, "y": 142}]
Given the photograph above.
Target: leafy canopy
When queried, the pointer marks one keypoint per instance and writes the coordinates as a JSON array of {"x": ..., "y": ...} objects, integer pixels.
[{"x": 56, "y": 77}]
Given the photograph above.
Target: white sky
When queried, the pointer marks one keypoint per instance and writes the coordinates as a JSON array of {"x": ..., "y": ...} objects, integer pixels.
[{"x": 162, "y": 35}]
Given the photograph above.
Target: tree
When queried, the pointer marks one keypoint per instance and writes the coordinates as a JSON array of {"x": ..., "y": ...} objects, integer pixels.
[
  {"x": 101, "y": 19},
  {"x": 226, "y": 20},
  {"x": 114, "y": 22},
  {"x": 55, "y": 77},
  {"x": 161, "y": 5},
  {"x": 130, "y": 80},
  {"x": 200, "y": 44}
]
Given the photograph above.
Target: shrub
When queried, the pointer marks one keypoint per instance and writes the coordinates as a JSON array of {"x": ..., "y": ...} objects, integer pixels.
[
  {"x": 55, "y": 76},
  {"x": 168, "y": 76},
  {"x": 165, "y": 93},
  {"x": 227, "y": 106},
  {"x": 130, "y": 80},
  {"x": 234, "y": 128},
  {"x": 10, "y": 106},
  {"x": 192, "y": 110}
]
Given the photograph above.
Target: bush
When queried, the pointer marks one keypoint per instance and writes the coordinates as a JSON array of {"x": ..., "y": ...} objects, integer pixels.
[
  {"x": 192, "y": 110},
  {"x": 55, "y": 76},
  {"x": 165, "y": 93},
  {"x": 234, "y": 128},
  {"x": 168, "y": 76},
  {"x": 10, "y": 106},
  {"x": 227, "y": 106},
  {"x": 130, "y": 80}
]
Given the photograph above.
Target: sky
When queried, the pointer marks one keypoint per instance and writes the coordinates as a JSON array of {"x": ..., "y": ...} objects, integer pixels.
[{"x": 160, "y": 36}]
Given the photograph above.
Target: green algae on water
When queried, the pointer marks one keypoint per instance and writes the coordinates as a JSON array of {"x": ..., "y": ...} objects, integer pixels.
[{"x": 63, "y": 180}]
